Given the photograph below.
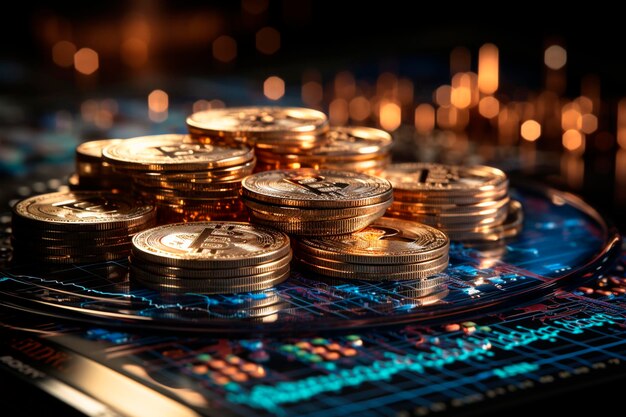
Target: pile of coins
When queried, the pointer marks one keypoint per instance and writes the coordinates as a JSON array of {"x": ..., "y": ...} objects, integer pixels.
[
  {"x": 313, "y": 202},
  {"x": 360, "y": 149},
  {"x": 292, "y": 137},
  {"x": 187, "y": 181},
  {"x": 467, "y": 203},
  {"x": 210, "y": 257},
  {"x": 389, "y": 249},
  {"x": 92, "y": 172},
  {"x": 78, "y": 227}
]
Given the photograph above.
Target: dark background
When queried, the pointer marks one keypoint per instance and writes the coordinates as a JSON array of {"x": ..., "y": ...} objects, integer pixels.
[
  {"x": 412, "y": 40},
  {"x": 365, "y": 38}
]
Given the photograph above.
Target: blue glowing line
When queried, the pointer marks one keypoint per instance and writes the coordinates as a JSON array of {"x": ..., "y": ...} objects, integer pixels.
[
  {"x": 271, "y": 397},
  {"x": 148, "y": 301}
]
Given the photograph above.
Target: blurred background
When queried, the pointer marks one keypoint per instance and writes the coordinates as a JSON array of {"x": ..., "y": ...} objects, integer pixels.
[{"x": 539, "y": 95}]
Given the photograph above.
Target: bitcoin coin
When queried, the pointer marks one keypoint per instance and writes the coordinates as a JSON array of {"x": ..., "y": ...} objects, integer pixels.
[
  {"x": 385, "y": 241},
  {"x": 452, "y": 221},
  {"x": 210, "y": 245},
  {"x": 208, "y": 280},
  {"x": 318, "y": 228},
  {"x": 173, "y": 153},
  {"x": 253, "y": 123},
  {"x": 511, "y": 227},
  {"x": 93, "y": 149},
  {"x": 278, "y": 213},
  {"x": 172, "y": 271},
  {"x": 316, "y": 188},
  {"x": 81, "y": 211},
  {"x": 340, "y": 143},
  {"x": 373, "y": 268},
  {"x": 445, "y": 179},
  {"x": 445, "y": 210},
  {"x": 428, "y": 183}
]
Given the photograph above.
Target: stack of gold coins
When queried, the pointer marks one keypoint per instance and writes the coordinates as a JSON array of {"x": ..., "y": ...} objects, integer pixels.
[
  {"x": 467, "y": 203},
  {"x": 78, "y": 227},
  {"x": 313, "y": 202},
  {"x": 360, "y": 149},
  {"x": 292, "y": 127},
  {"x": 387, "y": 250},
  {"x": 293, "y": 137},
  {"x": 210, "y": 257},
  {"x": 187, "y": 181},
  {"x": 92, "y": 172}
]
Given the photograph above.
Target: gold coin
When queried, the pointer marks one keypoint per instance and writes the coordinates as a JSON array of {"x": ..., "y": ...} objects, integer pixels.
[
  {"x": 81, "y": 211},
  {"x": 196, "y": 277},
  {"x": 511, "y": 227},
  {"x": 70, "y": 241},
  {"x": 316, "y": 188},
  {"x": 370, "y": 166},
  {"x": 71, "y": 259},
  {"x": 301, "y": 214},
  {"x": 35, "y": 233},
  {"x": 445, "y": 210},
  {"x": 253, "y": 123},
  {"x": 399, "y": 276},
  {"x": 226, "y": 273},
  {"x": 218, "y": 191},
  {"x": 459, "y": 221},
  {"x": 172, "y": 153},
  {"x": 194, "y": 189},
  {"x": 341, "y": 143},
  {"x": 217, "y": 175},
  {"x": 372, "y": 268},
  {"x": 385, "y": 241},
  {"x": 74, "y": 251},
  {"x": 210, "y": 245},
  {"x": 91, "y": 151},
  {"x": 437, "y": 181},
  {"x": 171, "y": 215},
  {"x": 317, "y": 228}
]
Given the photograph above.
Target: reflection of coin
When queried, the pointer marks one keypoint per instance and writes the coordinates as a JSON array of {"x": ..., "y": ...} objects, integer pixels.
[
  {"x": 385, "y": 241},
  {"x": 81, "y": 210},
  {"x": 173, "y": 153},
  {"x": 316, "y": 188},
  {"x": 442, "y": 180},
  {"x": 165, "y": 284},
  {"x": 210, "y": 245},
  {"x": 257, "y": 122},
  {"x": 426, "y": 274}
]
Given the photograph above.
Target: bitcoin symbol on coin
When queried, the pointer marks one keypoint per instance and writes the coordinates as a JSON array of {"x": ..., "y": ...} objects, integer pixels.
[
  {"x": 317, "y": 184},
  {"x": 214, "y": 239},
  {"x": 93, "y": 204}
]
